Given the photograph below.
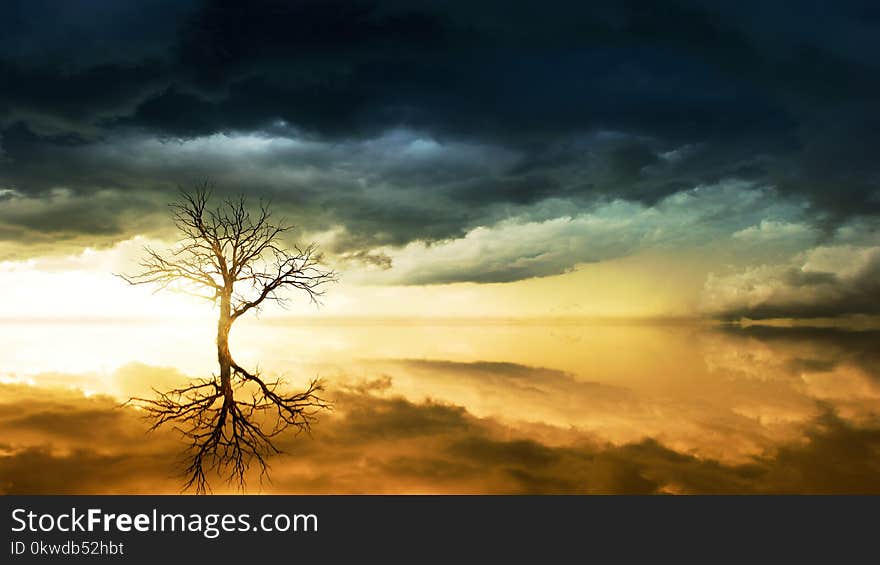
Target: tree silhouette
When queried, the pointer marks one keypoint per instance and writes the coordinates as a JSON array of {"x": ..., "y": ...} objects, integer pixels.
[{"x": 235, "y": 258}]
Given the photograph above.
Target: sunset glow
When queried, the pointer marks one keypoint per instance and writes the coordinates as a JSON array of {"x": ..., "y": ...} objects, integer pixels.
[{"x": 613, "y": 249}]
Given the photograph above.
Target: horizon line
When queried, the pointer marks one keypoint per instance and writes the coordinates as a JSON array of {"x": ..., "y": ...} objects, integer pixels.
[{"x": 859, "y": 321}]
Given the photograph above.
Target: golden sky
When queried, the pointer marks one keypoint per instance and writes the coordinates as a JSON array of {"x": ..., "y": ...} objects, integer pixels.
[
  {"x": 464, "y": 407},
  {"x": 602, "y": 248}
]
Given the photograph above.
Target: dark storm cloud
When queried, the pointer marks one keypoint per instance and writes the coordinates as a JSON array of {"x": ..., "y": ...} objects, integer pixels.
[
  {"x": 819, "y": 296},
  {"x": 850, "y": 284},
  {"x": 560, "y": 102}
]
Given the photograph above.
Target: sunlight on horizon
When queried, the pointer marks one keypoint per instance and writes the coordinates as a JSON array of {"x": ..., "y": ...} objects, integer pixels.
[
  {"x": 682, "y": 384},
  {"x": 83, "y": 286}
]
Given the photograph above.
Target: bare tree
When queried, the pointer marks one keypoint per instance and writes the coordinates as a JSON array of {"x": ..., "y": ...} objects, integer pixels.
[{"x": 235, "y": 258}]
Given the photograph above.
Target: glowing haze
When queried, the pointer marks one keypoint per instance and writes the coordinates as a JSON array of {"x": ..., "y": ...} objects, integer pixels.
[{"x": 484, "y": 177}]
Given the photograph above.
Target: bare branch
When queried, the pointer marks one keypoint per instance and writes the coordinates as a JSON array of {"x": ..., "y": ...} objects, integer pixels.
[
  {"x": 235, "y": 258},
  {"x": 227, "y": 435}
]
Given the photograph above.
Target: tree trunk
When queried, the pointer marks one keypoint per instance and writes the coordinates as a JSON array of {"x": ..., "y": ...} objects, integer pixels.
[{"x": 224, "y": 358}]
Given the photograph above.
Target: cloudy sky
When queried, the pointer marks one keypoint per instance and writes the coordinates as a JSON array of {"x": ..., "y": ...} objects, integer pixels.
[
  {"x": 616, "y": 158},
  {"x": 489, "y": 409},
  {"x": 518, "y": 163}
]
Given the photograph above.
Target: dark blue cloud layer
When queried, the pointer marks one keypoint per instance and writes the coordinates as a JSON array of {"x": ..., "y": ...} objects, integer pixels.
[{"x": 634, "y": 100}]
